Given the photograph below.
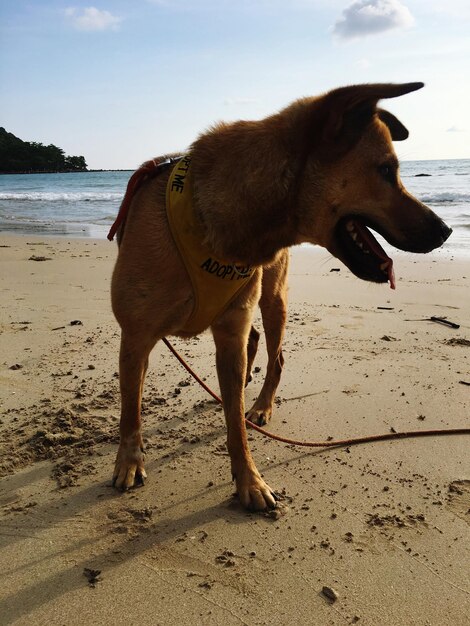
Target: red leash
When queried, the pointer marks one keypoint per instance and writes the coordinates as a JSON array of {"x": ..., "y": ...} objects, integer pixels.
[
  {"x": 150, "y": 169},
  {"x": 324, "y": 444}
]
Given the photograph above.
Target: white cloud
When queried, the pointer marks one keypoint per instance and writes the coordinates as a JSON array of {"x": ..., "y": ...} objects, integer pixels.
[
  {"x": 455, "y": 129},
  {"x": 92, "y": 19},
  {"x": 368, "y": 17}
]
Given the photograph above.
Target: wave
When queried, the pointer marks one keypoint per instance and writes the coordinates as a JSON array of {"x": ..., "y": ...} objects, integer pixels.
[
  {"x": 445, "y": 197},
  {"x": 438, "y": 197},
  {"x": 47, "y": 196}
]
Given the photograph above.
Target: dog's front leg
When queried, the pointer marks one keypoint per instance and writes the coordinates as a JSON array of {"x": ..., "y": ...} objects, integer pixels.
[
  {"x": 273, "y": 304},
  {"x": 231, "y": 336},
  {"x": 133, "y": 361}
]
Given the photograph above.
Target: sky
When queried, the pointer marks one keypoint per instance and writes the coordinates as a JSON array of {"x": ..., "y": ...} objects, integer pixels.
[{"x": 121, "y": 81}]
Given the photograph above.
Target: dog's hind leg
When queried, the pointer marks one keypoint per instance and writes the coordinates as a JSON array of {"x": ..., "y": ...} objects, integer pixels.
[
  {"x": 231, "y": 336},
  {"x": 133, "y": 361},
  {"x": 252, "y": 347},
  {"x": 273, "y": 305}
]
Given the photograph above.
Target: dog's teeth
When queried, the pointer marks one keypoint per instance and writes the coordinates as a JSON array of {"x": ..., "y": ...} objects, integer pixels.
[
  {"x": 354, "y": 235},
  {"x": 366, "y": 251},
  {"x": 360, "y": 244},
  {"x": 350, "y": 227}
]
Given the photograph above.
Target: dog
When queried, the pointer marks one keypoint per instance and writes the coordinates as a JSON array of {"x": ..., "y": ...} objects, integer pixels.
[{"x": 321, "y": 171}]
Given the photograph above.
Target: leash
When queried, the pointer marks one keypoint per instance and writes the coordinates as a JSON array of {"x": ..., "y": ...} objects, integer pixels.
[
  {"x": 150, "y": 169},
  {"x": 322, "y": 444}
]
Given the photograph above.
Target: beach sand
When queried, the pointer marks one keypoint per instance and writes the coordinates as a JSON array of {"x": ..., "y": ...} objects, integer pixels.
[{"x": 385, "y": 525}]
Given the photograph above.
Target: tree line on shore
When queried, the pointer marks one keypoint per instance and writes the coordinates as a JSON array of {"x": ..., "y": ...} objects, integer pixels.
[{"x": 18, "y": 156}]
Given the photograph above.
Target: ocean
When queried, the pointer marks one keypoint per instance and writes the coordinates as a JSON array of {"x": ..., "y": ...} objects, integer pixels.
[{"x": 85, "y": 204}]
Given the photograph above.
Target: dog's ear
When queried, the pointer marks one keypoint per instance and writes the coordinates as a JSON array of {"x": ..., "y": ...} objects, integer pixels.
[
  {"x": 396, "y": 128},
  {"x": 348, "y": 110}
]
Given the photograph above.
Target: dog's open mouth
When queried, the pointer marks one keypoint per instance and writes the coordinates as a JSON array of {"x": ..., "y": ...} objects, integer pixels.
[{"x": 361, "y": 252}]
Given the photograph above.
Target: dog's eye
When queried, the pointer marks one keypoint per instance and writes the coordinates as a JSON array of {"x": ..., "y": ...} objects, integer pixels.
[{"x": 388, "y": 173}]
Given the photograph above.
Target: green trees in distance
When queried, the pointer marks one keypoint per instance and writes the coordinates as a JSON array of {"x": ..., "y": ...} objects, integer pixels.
[{"x": 24, "y": 156}]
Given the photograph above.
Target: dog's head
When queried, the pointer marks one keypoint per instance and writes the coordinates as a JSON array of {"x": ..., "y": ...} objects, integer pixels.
[
  {"x": 323, "y": 170},
  {"x": 352, "y": 167}
]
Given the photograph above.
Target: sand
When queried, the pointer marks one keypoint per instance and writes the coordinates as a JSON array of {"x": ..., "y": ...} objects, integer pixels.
[{"x": 382, "y": 528}]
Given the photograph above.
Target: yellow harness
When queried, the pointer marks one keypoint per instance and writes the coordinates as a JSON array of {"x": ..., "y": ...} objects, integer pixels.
[{"x": 215, "y": 282}]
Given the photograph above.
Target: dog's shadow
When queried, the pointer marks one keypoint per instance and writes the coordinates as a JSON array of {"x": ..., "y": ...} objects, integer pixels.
[{"x": 110, "y": 554}]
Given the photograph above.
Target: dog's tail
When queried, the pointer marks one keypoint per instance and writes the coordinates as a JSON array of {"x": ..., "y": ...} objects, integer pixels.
[{"x": 148, "y": 170}]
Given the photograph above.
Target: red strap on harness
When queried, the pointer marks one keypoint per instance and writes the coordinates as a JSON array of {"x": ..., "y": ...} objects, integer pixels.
[{"x": 147, "y": 169}]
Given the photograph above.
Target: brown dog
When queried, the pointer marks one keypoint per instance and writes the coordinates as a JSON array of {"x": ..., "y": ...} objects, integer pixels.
[{"x": 321, "y": 171}]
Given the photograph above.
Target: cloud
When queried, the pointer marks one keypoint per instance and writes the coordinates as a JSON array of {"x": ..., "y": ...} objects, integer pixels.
[
  {"x": 455, "y": 129},
  {"x": 92, "y": 19},
  {"x": 369, "y": 17}
]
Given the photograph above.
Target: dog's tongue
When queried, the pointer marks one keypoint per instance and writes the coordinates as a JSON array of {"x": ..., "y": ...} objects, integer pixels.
[
  {"x": 377, "y": 249},
  {"x": 391, "y": 274}
]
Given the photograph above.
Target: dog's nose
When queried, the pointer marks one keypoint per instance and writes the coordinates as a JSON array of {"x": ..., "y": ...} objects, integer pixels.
[{"x": 445, "y": 231}]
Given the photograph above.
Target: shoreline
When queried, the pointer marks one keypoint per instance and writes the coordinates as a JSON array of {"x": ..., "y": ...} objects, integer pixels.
[
  {"x": 96, "y": 232},
  {"x": 371, "y": 522}
]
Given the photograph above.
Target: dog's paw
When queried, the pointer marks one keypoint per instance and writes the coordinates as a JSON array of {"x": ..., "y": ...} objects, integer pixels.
[
  {"x": 254, "y": 493},
  {"x": 260, "y": 417},
  {"x": 129, "y": 467}
]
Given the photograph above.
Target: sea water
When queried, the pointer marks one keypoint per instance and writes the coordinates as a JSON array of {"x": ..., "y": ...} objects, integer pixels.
[
  {"x": 445, "y": 188},
  {"x": 74, "y": 204},
  {"x": 86, "y": 203}
]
